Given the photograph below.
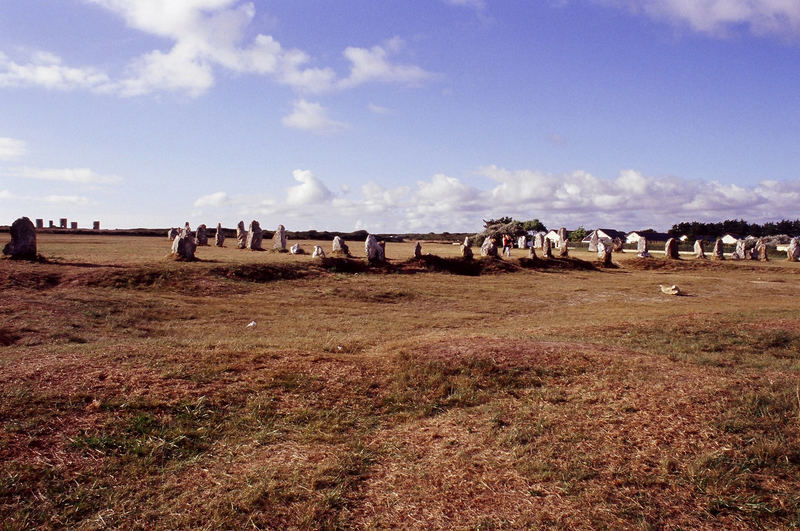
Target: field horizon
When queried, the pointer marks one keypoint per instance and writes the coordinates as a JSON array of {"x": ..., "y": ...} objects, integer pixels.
[{"x": 274, "y": 391}]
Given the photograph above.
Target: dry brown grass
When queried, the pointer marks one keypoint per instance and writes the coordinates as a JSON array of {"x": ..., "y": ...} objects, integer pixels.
[{"x": 423, "y": 394}]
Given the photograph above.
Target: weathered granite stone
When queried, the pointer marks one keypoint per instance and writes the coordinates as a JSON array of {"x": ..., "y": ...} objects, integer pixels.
[
  {"x": 39, "y": 223},
  {"x": 563, "y": 250},
  {"x": 793, "y": 250},
  {"x": 183, "y": 246},
  {"x": 202, "y": 235},
  {"x": 279, "y": 239},
  {"x": 23, "y": 240},
  {"x": 718, "y": 253},
  {"x": 172, "y": 233},
  {"x": 670, "y": 290},
  {"x": 740, "y": 252},
  {"x": 241, "y": 236},
  {"x": 547, "y": 249},
  {"x": 532, "y": 253},
  {"x": 339, "y": 246},
  {"x": 593, "y": 242},
  {"x": 488, "y": 248},
  {"x": 95, "y": 225},
  {"x": 254, "y": 236},
  {"x": 374, "y": 252},
  {"x": 466, "y": 251},
  {"x": 671, "y": 249},
  {"x": 641, "y": 248},
  {"x": 418, "y": 250},
  {"x": 467, "y": 242},
  {"x": 219, "y": 238},
  {"x": 617, "y": 245},
  {"x": 562, "y": 235},
  {"x": 318, "y": 252},
  {"x": 761, "y": 251},
  {"x": 699, "y": 249},
  {"x": 73, "y": 225},
  {"x": 604, "y": 252},
  {"x": 296, "y": 249},
  {"x": 538, "y": 240},
  {"x": 521, "y": 242}
]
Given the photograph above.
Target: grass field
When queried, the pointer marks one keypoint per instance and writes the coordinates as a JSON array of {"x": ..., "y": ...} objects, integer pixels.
[{"x": 424, "y": 394}]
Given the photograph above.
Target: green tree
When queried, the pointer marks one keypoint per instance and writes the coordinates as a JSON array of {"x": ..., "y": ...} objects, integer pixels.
[
  {"x": 534, "y": 225},
  {"x": 577, "y": 235}
]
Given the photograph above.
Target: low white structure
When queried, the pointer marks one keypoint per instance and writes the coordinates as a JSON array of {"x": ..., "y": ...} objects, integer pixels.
[
  {"x": 605, "y": 235},
  {"x": 555, "y": 239},
  {"x": 651, "y": 235},
  {"x": 730, "y": 239}
]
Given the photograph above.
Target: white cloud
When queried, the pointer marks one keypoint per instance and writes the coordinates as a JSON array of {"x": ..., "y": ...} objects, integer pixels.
[
  {"x": 630, "y": 200},
  {"x": 378, "y": 109},
  {"x": 11, "y": 148},
  {"x": 372, "y": 64},
  {"x": 216, "y": 199},
  {"x": 66, "y": 199},
  {"x": 70, "y": 175},
  {"x": 474, "y": 4},
  {"x": 311, "y": 116},
  {"x": 46, "y": 70},
  {"x": 5, "y": 194},
  {"x": 719, "y": 17},
  {"x": 310, "y": 191}
]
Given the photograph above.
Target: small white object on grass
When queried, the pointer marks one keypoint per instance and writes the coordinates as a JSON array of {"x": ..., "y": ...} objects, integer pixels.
[
  {"x": 670, "y": 290},
  {"x": 251, "y": 324}
]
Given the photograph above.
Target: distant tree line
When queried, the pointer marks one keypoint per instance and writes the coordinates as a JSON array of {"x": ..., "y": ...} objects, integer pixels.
[{"x": 739, "y": 227}]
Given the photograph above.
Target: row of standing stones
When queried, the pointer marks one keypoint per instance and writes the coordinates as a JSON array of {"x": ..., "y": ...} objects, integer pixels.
[{"x": 184, "y": 245}]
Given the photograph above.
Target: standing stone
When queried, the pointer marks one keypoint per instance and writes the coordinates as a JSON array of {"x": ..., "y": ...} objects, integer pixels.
[
  {"x": 254, "y": 236},
  {"x": 467, "y": 242},
  {"x": 532, "y": 253},
  {"x": 761, "y": 250},
  {"x": 521, "y": 242},
  {"x": 593, "y": 242},
  {"x": 39, "y": 223},
  {"x": 418, "y": 250},
  {"x": 538, "y": 240},
  {"x": 183, "y": 246},
  {"x": 739, "y": 253},
  {"x": 219, "y": 238},
  {"x": 63, "y": 223},
  {"x": 95, "y": 225},
  {"x": 563, "y": 250},
  {"x": 466, "y": 251},
  {"x": 617, "y": 245},
  {"x": 641, "y": 248},
  {"x": 172, "y": 234},
  {"x": 671, "y": 249},
  {"x": 699, "y": 250},
  {"x": 296, "y": 249},
  {"x": 50, "y": 224},
  {"x": 793, "y": 250},
  {"x": 375, "y": 253},
  {"x": 604, "y": 253},
  {"x": 718, "y": 253},
  {"x": 339, "y": 246},
  {"x": 488, "y": 248},
  {"x": 202, "y": 235},
  {"x": 23, "y": 240},
  {"x": 279, "y": 239},
  {"x": 241, "y": 236},
  {"x": 318, "y": 252},
  {"x": 547, "y": 250},
  {"x": 73, "y": 225},
  {"x": 562, "y": 235}
]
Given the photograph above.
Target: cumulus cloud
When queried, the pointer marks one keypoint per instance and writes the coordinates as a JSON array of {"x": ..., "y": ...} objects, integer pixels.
[
  {"x": 719, "y": 17},
  {"x": 70, "y": 175},
  {"x": 311, "y": 116},
  {"x": 310, "y": 191},
  {"x": 46, "y": 70},
  {"x": 216, "y": 199},
  {"x": 628, "y": 201},
  {"x": 11, "y": 148},
  {"x": 373, "y": 64}
]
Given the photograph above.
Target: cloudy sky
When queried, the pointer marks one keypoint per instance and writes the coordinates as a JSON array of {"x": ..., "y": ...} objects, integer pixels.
[{"x": 399, "y": 116}]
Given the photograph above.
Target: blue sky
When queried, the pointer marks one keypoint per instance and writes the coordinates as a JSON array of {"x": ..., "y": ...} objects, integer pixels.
[{"x": 399, "y": 116}]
